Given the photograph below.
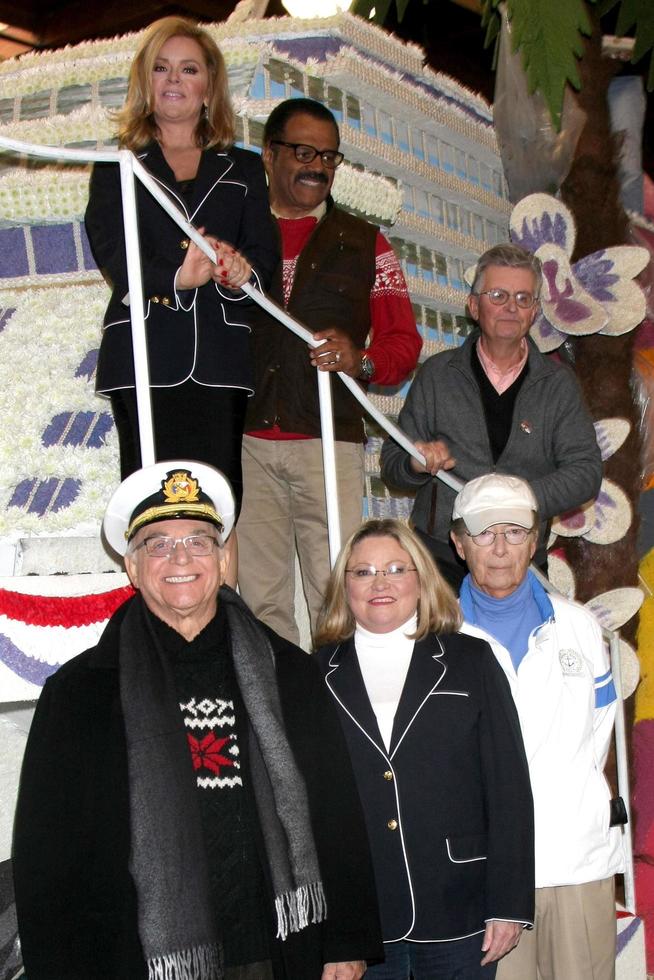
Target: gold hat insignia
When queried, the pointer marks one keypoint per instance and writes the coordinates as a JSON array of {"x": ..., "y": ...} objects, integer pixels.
[{"x": 181, "y": 487}]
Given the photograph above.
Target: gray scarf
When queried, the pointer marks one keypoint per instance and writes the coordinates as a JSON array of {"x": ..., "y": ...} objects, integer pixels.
[{"x": 168, "y": 861}]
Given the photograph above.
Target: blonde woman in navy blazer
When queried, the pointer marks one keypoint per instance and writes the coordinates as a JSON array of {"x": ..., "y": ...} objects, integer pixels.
[
  {"x": 178, "y": 120},
  {"x": 438, "y": 757}
]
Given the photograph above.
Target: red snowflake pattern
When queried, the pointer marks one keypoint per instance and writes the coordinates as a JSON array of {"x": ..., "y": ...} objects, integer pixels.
[{"x": 206, "y": 752}]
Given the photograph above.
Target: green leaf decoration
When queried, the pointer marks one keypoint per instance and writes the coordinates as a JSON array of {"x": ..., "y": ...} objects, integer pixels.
[{"x": 548, "y": 34}]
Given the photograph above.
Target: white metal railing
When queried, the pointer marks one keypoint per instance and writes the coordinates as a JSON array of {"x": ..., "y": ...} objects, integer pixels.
[{"x": 131, "y": 168}]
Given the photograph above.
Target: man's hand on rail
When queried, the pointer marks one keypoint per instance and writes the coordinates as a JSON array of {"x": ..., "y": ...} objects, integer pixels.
[
  {"x": 232, "y": 269},
  {"x": 437, "y": 457},
  {"x": 337, "y": 353}
]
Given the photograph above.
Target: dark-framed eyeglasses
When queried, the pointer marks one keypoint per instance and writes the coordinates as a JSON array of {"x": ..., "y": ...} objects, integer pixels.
[
  {"x": 365, "y": 573},
  {"x": 512, "y": 535},
  {"x": 162, "y": 546},
  {"x": 305, "y": 153},
  {"x": 499, "y": 297}
]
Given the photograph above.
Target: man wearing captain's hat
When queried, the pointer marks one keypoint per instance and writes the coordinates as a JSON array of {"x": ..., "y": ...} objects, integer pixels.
[{"x": 187, "y": 808}]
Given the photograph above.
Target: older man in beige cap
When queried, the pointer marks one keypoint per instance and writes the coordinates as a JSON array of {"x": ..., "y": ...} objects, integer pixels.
[
  {"x": 554, "y": 657},
  {"x": 187, "y": 807}
]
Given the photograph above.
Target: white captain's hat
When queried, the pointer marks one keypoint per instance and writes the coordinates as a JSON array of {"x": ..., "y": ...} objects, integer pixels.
[{"x": 166, "y": 491}]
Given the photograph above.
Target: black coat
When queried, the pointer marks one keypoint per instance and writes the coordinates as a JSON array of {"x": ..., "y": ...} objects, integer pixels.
[
  {"x": 75, "y": 897},
  {"x": 449, "y": 808},
  {"x": 202, "y": 334}
]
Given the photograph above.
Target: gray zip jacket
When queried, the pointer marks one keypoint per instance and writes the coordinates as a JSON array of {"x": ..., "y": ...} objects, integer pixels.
[{"x": 552, "y": 441}]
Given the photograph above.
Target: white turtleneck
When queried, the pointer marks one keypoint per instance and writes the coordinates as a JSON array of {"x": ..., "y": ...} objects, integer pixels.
[{"x": 384, "y": 660}]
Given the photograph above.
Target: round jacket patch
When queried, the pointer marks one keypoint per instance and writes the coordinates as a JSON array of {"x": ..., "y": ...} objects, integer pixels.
[{"x": 570, "y": 661}]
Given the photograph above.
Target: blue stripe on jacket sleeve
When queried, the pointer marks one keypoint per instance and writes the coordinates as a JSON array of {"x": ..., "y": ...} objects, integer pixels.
[
  {"x": 605, "y": 695},
  {"x": 603, "y": 677}
]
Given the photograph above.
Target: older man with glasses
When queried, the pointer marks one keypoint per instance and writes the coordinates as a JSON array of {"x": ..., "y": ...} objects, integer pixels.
[
  {"x": 187, "y": 807},
  {"x": 557, "y": 665},
  {"x": 340, "y": 277},
  {"x": 495, "y": 403}
]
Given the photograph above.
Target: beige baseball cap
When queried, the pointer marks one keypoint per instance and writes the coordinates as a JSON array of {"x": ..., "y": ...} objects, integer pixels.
[{"x": 495, "y": 499}]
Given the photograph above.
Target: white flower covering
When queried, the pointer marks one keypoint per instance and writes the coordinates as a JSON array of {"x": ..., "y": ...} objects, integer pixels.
[
  {"x": 349, "y": 63},
  {"x": 404, "y": 163},
  {"x": 412, "y": 225},
  {"x": 53, "y": 328},
  {"x": 87, "y": 124},
  {"x": 48, "y": 74},
  {"x": 44, "y": 195},
  {"x": 367, "y": 193},
  {"x": 451, "y": 299},
  {"x": 41, "y": 346}
]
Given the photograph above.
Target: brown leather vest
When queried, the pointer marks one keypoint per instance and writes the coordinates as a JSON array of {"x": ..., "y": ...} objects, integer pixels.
[{"x": 334, "y": 275}]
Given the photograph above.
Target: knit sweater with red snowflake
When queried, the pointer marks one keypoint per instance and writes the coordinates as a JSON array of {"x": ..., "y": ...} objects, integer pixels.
[
  {"x": 216, "y": 729},
  {"x": 341, "y": 272}
]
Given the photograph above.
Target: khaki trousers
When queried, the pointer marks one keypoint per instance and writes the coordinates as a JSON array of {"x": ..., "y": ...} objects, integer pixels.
[
  {"x": 573, "y": 938},
  {"x": 284, "y": 510}
]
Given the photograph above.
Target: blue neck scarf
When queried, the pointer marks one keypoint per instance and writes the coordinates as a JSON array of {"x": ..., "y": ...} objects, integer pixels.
[{"x": 511, "y": 620}]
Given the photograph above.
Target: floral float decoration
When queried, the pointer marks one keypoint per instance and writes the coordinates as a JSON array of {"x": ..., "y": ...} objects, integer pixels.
[
  {"x": 607, "y": 519},
  {"x": 604, "y": 521},
  {"x": 596, "y": 294},
  {"x": 612, "y": 609}
]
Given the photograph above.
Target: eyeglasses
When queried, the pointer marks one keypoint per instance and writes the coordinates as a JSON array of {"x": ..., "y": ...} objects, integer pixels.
[
  {"x": 512, "y": 535},
  {"x": 305, "y": 154},
  {"x": 394, "y": 571},
  {"x": 196, "y": 545},
  {"x": 499, "y": 297}
]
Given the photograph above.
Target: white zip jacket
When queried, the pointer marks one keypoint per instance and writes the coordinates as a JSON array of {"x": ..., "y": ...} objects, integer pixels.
[{"x": 566, "y": 701}]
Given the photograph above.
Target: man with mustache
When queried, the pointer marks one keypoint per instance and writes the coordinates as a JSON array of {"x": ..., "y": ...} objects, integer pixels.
[{"x": 340, "y": 277}]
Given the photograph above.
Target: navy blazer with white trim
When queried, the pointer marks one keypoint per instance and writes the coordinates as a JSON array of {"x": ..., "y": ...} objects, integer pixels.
[
  {"x": 456, "y": 783},
  {"x": 202, "y": 333}
]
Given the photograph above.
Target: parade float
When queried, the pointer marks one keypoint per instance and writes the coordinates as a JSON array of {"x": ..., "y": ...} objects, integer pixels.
[{"x": 421, "y": 160}]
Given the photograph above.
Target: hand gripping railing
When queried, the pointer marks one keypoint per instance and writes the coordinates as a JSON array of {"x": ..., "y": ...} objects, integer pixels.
[
  {"x": 324, "y": 385},
  {"x": 130, "y": 168}
]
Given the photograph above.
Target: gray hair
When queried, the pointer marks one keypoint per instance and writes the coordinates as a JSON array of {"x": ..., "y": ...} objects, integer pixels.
[{"x": 512, "y": 257}]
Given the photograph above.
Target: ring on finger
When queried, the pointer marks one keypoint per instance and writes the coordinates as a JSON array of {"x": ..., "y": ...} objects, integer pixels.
[{"x": 337, "y": 357}]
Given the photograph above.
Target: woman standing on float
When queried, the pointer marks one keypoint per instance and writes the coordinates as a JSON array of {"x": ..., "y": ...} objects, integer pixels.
[{"x": 179, "y": 122}]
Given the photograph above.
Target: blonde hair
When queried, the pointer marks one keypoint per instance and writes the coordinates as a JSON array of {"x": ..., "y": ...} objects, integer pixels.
[
  {"x": 438, "y": 609},
  {"x": 136, "y": 123}
]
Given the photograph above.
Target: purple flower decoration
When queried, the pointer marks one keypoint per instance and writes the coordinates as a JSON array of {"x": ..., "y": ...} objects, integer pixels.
[
  {"x": 566, "y": 306},
  {"x": 596, "y": 294},
  {"x": 597, "y": 276},
  {"x": 535, "y": 232},
  {"x": 28, "y": 668}
]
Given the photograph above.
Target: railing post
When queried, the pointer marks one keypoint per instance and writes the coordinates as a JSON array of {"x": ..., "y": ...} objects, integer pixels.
[
  {"x": 622, "y": 770},
  {"x": 136, "y": 307},
  {"x": 329, "y": 464}
]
